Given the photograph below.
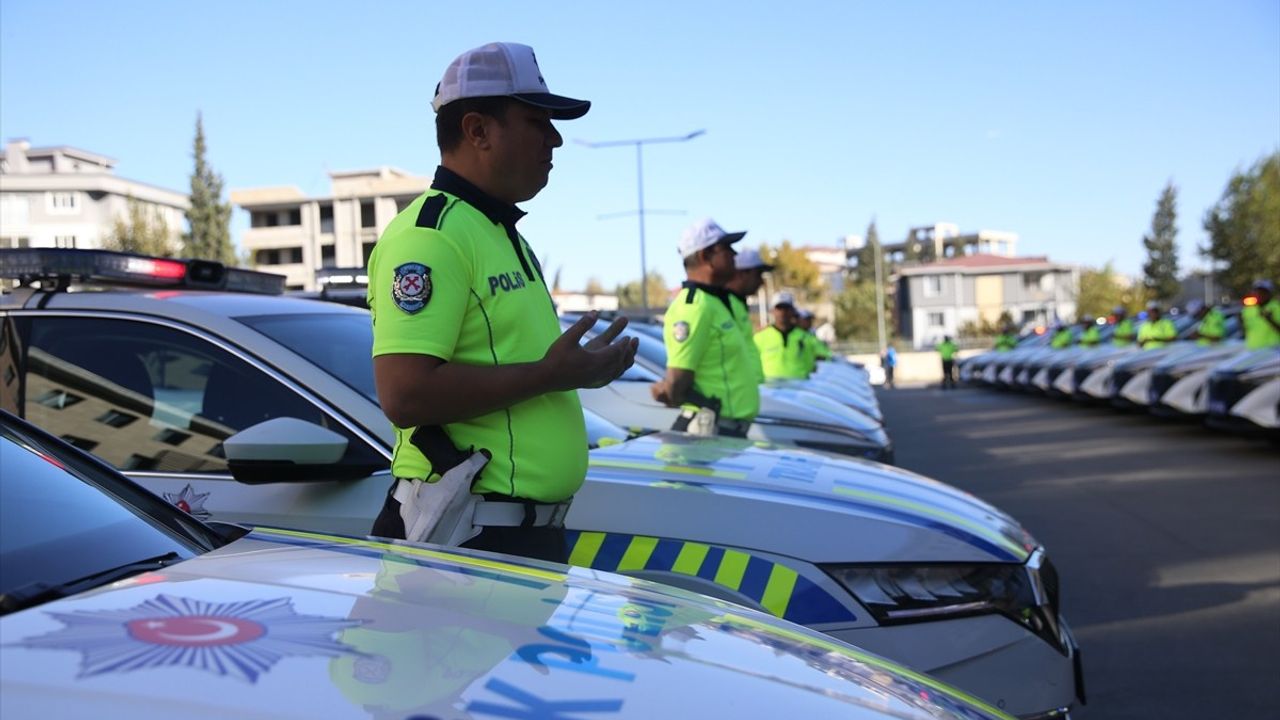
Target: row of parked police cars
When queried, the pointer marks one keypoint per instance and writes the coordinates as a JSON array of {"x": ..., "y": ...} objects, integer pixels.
[
  {"x": 190, "y": 461},
  {"x": 1223, "y": 382}
]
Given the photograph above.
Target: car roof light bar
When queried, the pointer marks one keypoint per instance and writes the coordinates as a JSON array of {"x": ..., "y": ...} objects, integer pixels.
[{"x": 57, "y": 268}]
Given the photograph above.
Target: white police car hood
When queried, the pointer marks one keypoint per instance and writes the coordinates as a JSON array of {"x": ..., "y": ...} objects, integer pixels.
[
  {"x": 284, "y": 624},
  {"x": 788, "y": 501}
]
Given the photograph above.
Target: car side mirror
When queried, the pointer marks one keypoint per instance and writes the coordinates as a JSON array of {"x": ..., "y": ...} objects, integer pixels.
[{"x": 287, "y": 449}]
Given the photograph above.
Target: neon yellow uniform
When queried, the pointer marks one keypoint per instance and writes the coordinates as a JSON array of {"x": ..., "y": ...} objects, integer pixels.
[
  {"x": 947, "y": 350},
  {"x": 451, "y": 277},
  {"x": 1156, "y": 333},
  {"x": 818, "y": 350},
  {"x": 1005, "y": 342},
  {"x": 1061, "y": 339},
  {"x": 701, "y": 335},
  {"x": 742, "y": 316},
  {"x": 1091, "y": 336},
  {"x": 784, "y": 356},
  {"x": 1258, "y": 333},
  {"x": 1124, "y": 333},
  {"x": 1212, "y": 328}
]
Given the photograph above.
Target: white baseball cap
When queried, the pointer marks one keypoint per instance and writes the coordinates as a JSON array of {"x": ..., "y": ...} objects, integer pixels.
[
  {"x": 703, "y": 234},
  {"x": 784, "y": 298},
  {"x": 750, "y": 260},
  {"x": 503, "y": 70}
]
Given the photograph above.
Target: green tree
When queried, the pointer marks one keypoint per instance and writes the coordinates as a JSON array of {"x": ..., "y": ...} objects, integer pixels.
[
  {"x": 794, "y": 271},
  {"x": 856, "y": 312},
  {"x": 141, "y": 230},
  {"x": 1161, "y": 268},
  {"x": 865, "y": 270},
  {"x": 1102, "y": 289},
  {"x": 1244, "y": 228},
  {"x": 209, "y": 217},
  {"x": 629, "y": 293}
]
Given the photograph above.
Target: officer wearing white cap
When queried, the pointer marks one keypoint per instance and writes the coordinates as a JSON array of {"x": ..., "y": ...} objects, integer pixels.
[
  {"x": 747, "y": 278},
  {"x": 1158, "y": 330},
  {"x": 710, "y": 369},
  {"x": 818, "y": 348},
  {"x": 470, "y": 365}
]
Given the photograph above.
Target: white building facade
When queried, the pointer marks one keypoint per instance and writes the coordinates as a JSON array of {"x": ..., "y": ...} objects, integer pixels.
[
  {"x": 71, "y": 198},
  {"x": 296, "y": 236}
]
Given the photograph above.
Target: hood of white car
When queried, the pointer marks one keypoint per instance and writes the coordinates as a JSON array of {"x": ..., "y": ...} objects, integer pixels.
[
  {"x": 284, "y": 624},
  {"x": 789, "y": 501}
]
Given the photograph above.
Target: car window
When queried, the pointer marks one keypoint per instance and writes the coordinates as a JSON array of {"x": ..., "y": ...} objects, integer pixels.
[
  {"x": 55, "y": 527},
  {"x": 147, "y": 397},
  {"x": 341, "y": 343}
]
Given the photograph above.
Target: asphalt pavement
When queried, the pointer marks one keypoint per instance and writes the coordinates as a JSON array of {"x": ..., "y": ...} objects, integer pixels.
[{"x": 1166, "y": 536}]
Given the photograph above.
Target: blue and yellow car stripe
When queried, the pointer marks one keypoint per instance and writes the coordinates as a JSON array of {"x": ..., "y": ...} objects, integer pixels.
[{"x": 778, "y": 588}]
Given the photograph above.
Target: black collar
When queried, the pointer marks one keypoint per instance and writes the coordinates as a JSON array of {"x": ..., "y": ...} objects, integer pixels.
[
  {"x": 498, "y": 212},
  {"x": 787, "y": 335},
  {"x": 719, "y": 292}
]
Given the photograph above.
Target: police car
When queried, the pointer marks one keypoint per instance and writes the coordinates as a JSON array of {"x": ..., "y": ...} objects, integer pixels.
[
  {"x": 158, "y": 381},
  {"x": 1244, "y": 393},
  {"x": 114, "y": 604}
]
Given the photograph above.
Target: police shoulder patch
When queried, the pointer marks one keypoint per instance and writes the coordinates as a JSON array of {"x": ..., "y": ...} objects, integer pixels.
[
  {"x": 412, "y": 287},
  {"x": 680, "y": 331}
]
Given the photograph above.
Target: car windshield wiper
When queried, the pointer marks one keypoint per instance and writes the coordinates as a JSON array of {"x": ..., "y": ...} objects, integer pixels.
[{"x": 36, "y": 593}]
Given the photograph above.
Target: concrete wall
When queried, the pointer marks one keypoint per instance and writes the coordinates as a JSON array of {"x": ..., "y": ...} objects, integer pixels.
[{"x": 914, "y": 367}]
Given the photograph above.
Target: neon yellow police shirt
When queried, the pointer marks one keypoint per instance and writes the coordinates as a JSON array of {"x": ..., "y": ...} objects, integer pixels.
[
  {"x": 1212, "y": 328},
  {"x": 1124, "y": 333},
  {"x": 701, "y": 335},
  {"x": 784, "y": 356},
  {"x": 1156, "y": 334},
  {"x": 1258, "y": 333},
  {"x": 947, "y": 350},
  {"x": 448, "y": 279},
  {"x": 742, "y": 316}
]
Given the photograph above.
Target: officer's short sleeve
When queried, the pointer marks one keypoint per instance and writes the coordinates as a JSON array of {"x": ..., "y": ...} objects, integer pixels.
[
  {"x": 419, "y": 282},
  {"x": 685, "y": 334}
]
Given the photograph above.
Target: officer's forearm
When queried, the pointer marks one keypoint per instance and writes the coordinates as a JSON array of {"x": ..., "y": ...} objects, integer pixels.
[
  {"x": 419, "y": 390},
  {"x": 678, "y": 384}
]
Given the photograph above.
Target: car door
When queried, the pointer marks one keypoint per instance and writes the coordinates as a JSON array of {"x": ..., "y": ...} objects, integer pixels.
[{"x": 156, "y": 399}]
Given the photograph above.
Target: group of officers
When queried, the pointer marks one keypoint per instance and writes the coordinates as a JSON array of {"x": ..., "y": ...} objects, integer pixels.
[
  {"x": 1259, "y": 316},
  {"x": 716, "y": 359}
]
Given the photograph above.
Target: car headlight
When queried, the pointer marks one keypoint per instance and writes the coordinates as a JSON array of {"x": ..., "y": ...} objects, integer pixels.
[{"x": 900, "y": 594}]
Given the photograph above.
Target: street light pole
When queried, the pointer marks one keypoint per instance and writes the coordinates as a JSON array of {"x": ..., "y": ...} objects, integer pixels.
[
  {"x": 639, "y": 144},
  {"x": 879, "y": 298}
]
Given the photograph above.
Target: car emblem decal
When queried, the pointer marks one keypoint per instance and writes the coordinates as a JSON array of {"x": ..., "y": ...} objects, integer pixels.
[
  {"x": 242, "y": 639},
  {"x": 190, "y": 502},
  {"x": 412, "y": 287},
  {"x": 680, "y": 331}
]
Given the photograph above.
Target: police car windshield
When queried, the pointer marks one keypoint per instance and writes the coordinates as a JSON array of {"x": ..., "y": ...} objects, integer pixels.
[
  {"x": 61, "y": 534},
  {"x": 341, "y": 344}
]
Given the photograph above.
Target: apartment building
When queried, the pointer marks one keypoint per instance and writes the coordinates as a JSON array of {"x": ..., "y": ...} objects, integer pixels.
[
  {"x": 939, "y": 298},
  {"x": 944, "y": 240},
  {"x": 297, "y": 236},
  {"x": 67, "y": 197}
]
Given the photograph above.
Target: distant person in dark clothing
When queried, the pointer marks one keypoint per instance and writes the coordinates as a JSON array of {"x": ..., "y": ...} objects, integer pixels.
[{"x": 889, "y": 362}]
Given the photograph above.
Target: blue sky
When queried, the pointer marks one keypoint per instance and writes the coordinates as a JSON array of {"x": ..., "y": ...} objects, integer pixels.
[{"x": 1058, "y": 121}]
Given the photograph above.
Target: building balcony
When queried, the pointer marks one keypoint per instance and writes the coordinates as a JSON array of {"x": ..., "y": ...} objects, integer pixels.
[{"x": 274, "y": 237}]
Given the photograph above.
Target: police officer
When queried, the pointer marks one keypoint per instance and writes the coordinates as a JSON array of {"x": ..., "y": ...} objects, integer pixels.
[
  {"x": 1157, "y": 331},
  {"x": 1212, "y": 325},
  {"x": 947, "y": 351},
  {"x": 818, "y": 349},
  {"x": 1090, "y": 335},
  {"x": 710, "y": 369},
  {"x": 783, "y": 345},
  {"x": 1124, "y": 334},
  {"x": 470, "y": 365},
  {"x": 1261, "y": 317},
  {"x": 747, "y": 278},
  {"x": 1061, "y": 339}
]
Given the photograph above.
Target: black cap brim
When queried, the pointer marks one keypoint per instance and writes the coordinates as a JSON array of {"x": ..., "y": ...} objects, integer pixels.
[{"x": 562, "y": 108}]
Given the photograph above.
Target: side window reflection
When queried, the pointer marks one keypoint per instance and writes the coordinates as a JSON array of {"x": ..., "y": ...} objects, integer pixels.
[{"x": 147, "y": 397}]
